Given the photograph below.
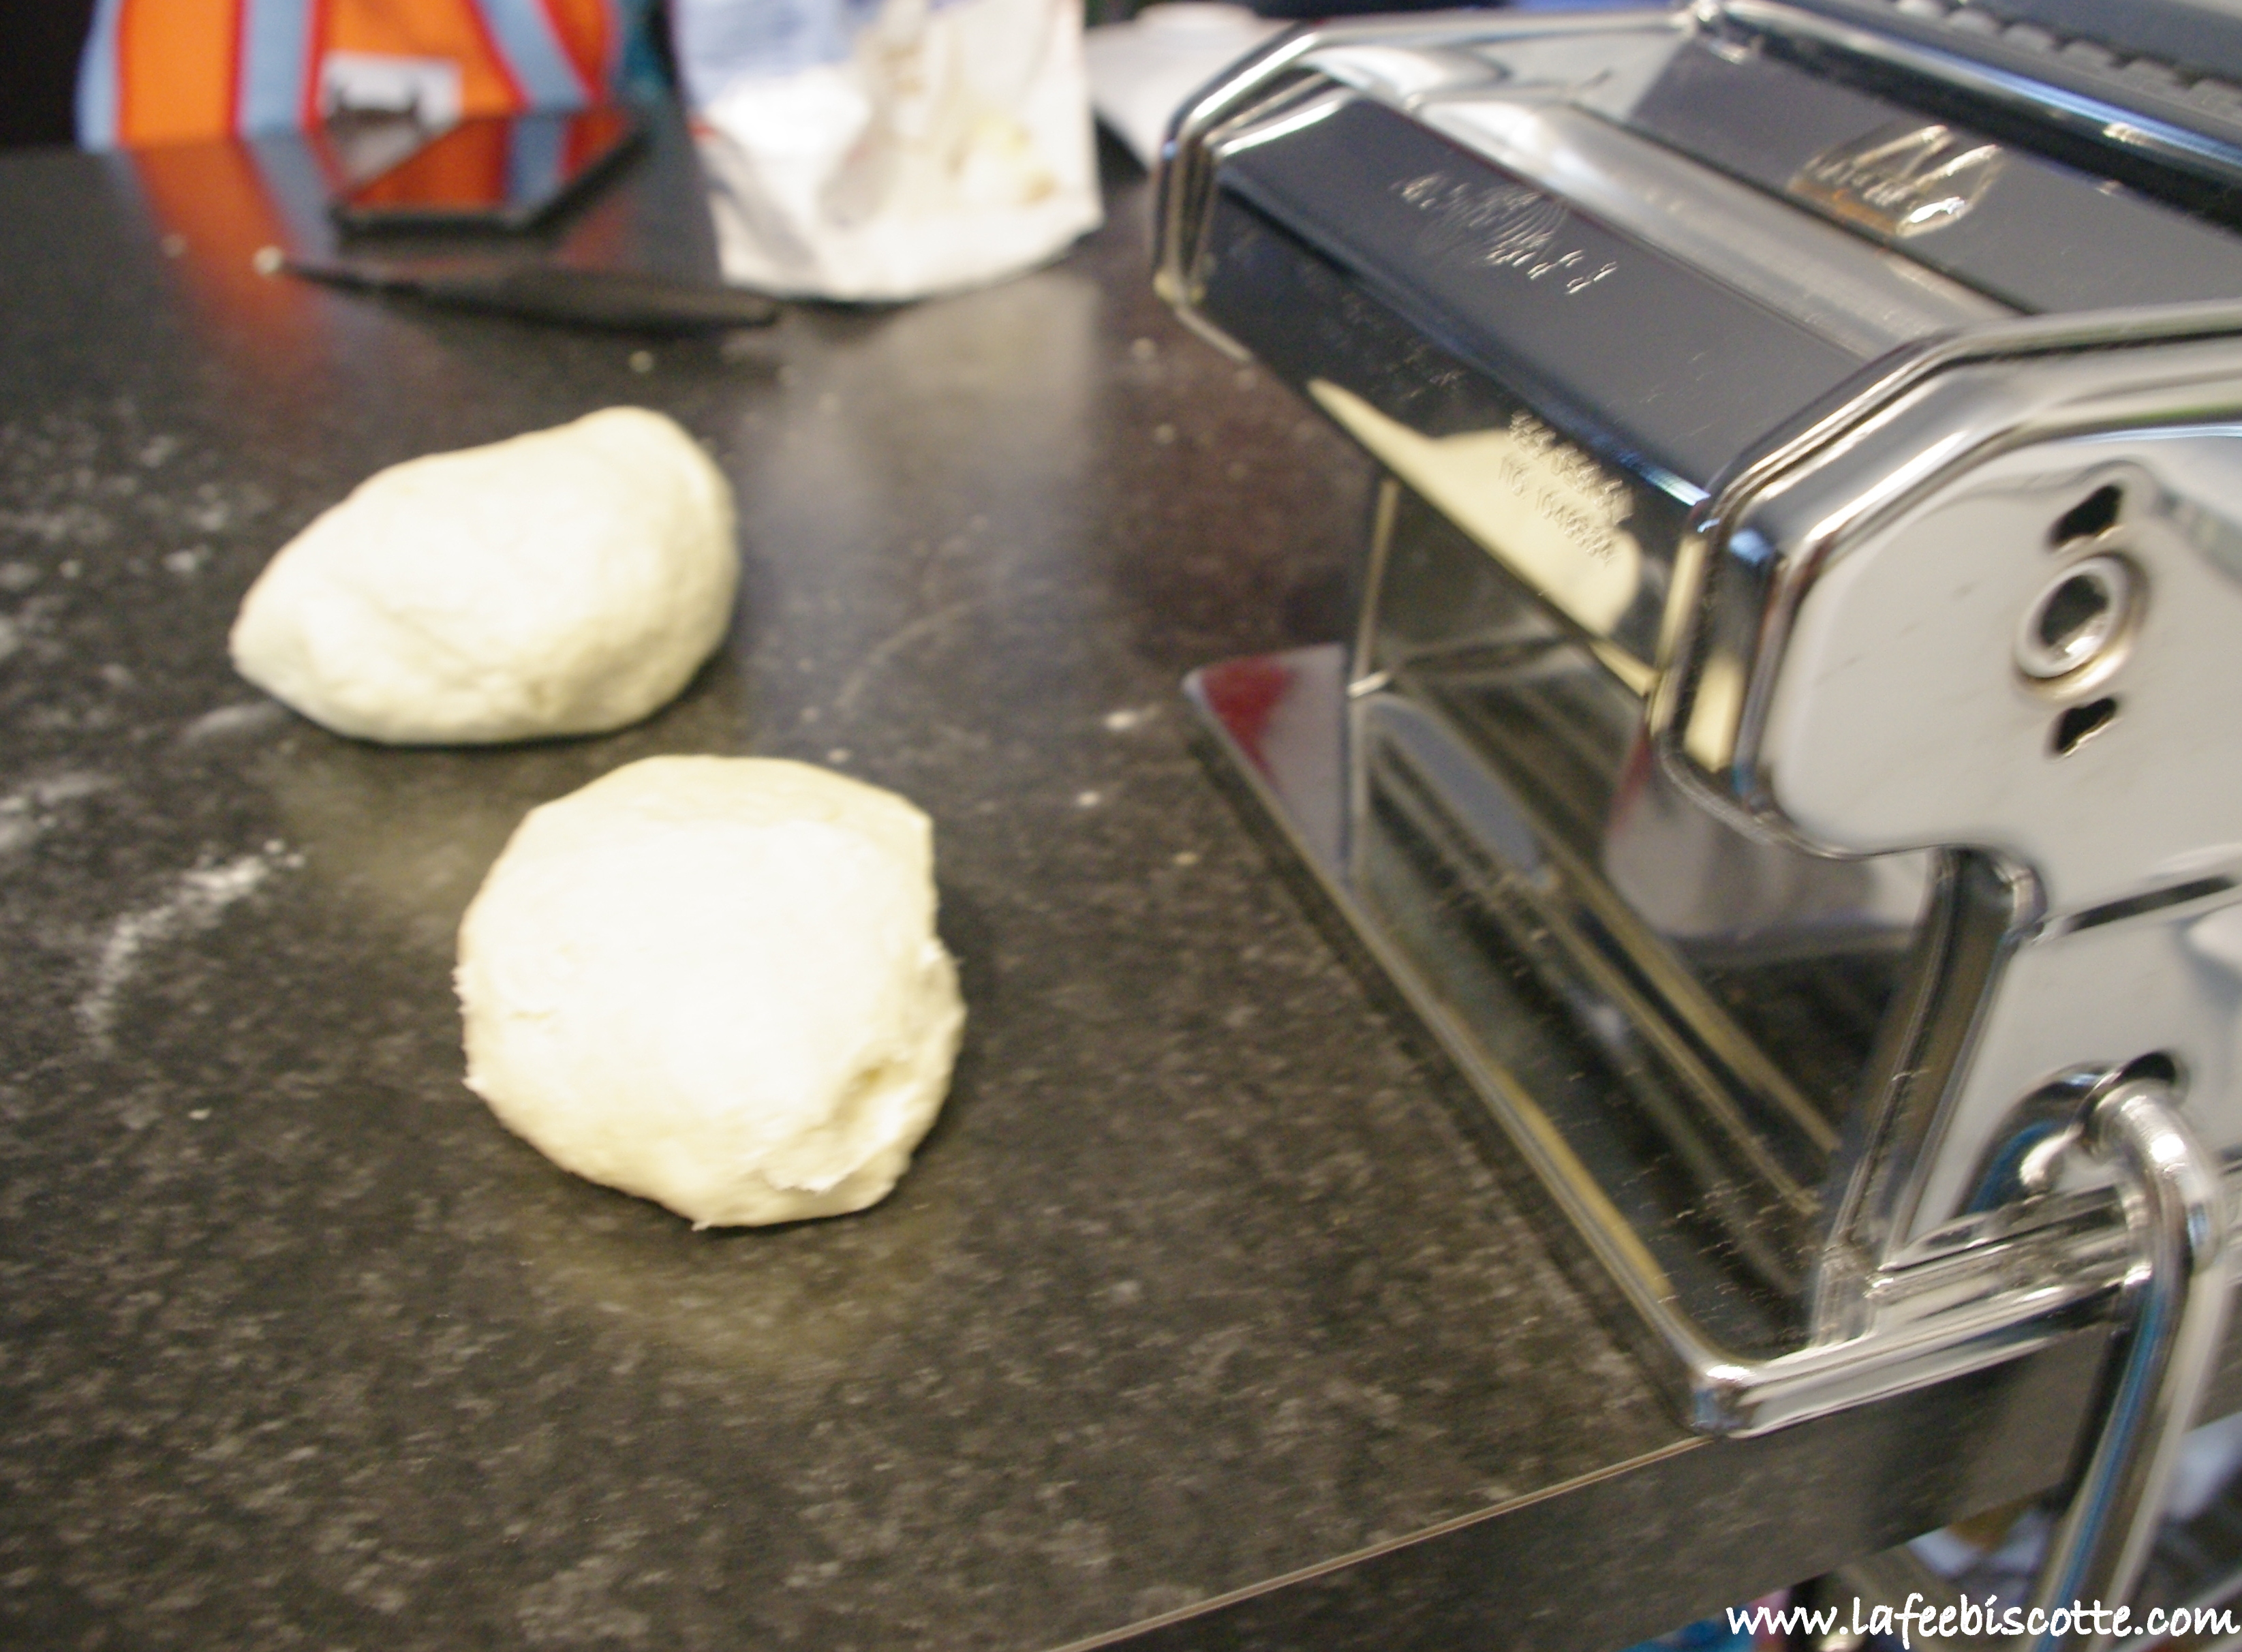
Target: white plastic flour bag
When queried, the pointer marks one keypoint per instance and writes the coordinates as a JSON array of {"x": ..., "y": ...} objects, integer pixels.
[{"x": 888, "y": 148}]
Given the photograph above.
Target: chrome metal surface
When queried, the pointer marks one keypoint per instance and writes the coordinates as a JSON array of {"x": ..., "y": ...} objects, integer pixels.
[
  {"x": 1984, "y": 450},
  {"x": 1784, "y": 753},
  {"x": 2021, "y": 67},
  {"x": 2070, "y": 636},
  {"x": 2162, "y": 1264},
  {"x": 1187, "y": 170},
  {"x": 2176, "y": 1208},
  {"x": 1519, "y": 283},
  {"x": 1902, "y": 181},
  {"x": 1858, "y": 297},
  {"x": 1279, "y": 720},
  {"x": 2044, "y": 233}
]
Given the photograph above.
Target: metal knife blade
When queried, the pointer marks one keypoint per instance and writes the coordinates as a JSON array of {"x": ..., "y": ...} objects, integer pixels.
[{"x": 620, "y": 300}]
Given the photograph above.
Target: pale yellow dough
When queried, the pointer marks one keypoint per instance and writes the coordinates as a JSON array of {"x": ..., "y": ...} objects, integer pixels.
[
  {"x": 563, "y": 582},
  {"x": 715, "y": 981}
]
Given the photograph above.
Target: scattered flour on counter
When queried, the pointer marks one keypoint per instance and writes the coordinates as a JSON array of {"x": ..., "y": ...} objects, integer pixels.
[
  {"x": 242, "y": 717},
  {"x": 933, "y": 627},
  {"x": 196, "y": 900},
  {"x": 578, "y": 1605},
  {"x": 210, "y": 511},
  {"x": 68, "y": 524},
  {"x": 80, "y": 480},
  {"x": 24, "y": 812},
  {"x": 30, "y": 629}
]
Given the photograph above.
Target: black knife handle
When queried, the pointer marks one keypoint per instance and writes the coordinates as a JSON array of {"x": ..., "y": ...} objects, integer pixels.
[{"x": 603, "y": 298}]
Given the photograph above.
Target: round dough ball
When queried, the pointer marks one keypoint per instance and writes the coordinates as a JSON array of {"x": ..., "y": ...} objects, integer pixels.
[
  {"x": 715, "y": 981},
  {"x": 564, "y": 582}
]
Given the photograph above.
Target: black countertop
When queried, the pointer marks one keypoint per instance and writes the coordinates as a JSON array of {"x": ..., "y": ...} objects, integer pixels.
[{"x": 1202, "y": 1280}]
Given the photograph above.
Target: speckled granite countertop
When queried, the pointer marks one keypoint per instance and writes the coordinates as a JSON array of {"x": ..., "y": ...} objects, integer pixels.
[{"x": 1198, "y": 1283}]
